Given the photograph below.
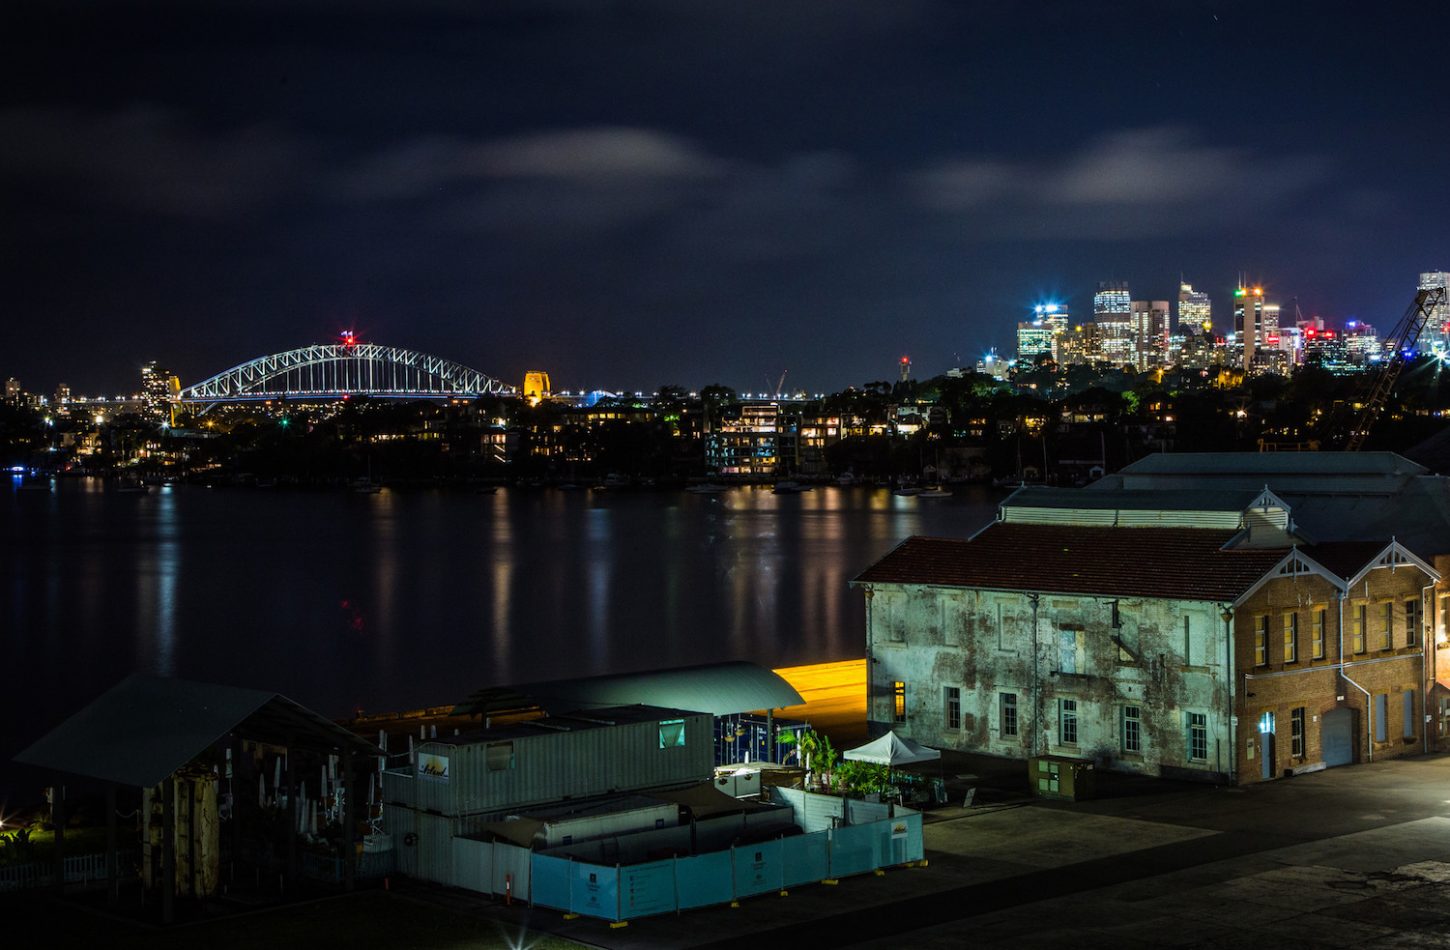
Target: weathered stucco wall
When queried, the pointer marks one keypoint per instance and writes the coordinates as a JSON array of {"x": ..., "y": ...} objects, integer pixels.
[{"x": 1163, "y": 658}]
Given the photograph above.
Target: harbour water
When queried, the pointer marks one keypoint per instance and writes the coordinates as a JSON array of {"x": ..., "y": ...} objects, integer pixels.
[{"x": 401, "y": 599}]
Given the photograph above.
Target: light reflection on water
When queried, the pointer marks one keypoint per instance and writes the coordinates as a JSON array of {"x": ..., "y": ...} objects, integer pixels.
[{"x": 407, "y": 599}]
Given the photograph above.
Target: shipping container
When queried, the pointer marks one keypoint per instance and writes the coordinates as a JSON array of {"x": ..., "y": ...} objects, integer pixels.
[{"x": 498, "y": 771}]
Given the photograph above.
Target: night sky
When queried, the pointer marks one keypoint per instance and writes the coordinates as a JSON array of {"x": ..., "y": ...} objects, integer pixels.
[{"x": 634, "y": 193}]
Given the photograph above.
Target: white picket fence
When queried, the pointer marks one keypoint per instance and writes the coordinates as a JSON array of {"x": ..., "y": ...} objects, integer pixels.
[{"x": 79, "y": 869}]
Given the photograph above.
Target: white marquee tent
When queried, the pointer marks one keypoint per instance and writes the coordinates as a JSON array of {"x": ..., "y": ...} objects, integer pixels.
[{"x": 892, "y": 750}]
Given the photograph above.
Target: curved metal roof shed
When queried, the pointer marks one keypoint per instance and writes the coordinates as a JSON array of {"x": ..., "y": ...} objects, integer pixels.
[{"x": 722, "y": 689}]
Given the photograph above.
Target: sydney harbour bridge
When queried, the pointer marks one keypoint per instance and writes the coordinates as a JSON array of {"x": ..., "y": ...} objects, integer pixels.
[{"x": 328, "y": 371}]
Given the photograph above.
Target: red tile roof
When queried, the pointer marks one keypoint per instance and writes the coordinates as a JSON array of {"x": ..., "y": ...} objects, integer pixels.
[{"x": 1176, "y": 563}]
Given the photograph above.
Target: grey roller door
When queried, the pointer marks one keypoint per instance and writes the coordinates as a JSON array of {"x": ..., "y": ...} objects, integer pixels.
[{"x": 1336, "y": 732}]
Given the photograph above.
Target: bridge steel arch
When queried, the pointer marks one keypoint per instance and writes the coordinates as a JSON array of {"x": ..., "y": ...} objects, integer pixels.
[{"x": 335, "y": 370}]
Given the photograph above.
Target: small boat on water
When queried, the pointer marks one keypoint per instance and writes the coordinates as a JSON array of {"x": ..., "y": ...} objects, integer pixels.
[
  {"x": 846, "y": 480},
  {"x": 907, "y": 492},
  {"x": 132, "y": 486},
  {"x": 485, "y": 490},
  {"x": 366, "y": 486},
  {"x": 790, "y": 488},
  {"x": 935, "y": 491}
]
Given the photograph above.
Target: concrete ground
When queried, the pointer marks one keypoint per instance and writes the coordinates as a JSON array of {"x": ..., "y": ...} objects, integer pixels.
[{"x": 1331, "y": 859}]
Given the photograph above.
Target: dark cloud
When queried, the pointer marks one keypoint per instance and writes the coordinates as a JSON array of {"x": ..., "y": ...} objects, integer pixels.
[{"x": 150, "y": 159}]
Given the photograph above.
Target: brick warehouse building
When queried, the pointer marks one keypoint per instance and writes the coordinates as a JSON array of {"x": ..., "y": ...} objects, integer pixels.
[{"x": 1167, "y": 630}]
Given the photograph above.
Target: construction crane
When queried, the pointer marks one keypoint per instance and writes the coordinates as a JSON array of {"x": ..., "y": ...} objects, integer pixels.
[
  {"x": 780, "y": 383},
  {"x": 1380, "y": 383}
]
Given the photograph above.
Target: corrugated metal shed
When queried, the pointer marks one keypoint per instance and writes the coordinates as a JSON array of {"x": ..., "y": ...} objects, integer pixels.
[
  {"x": 721, "y": 689},
  {"x": 1336, "y": 472},
  {"x": 1275, "y": 463},
  {"x": 146, "y": 727},
  {"x": 1224, "y": 500}
]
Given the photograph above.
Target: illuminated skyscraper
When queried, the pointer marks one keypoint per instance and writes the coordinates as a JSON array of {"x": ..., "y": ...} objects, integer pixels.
[
  {"x": 1436, "y": 335},
  {"x": 1149, "y": 333},
  {"x": 1033, "y": 340},
  {"x": 1112, "y": 312},
  {"x": 158, "y": 390},
  {"x": 1194, "y": 308},
  {"x": 1256, "y": 325}
]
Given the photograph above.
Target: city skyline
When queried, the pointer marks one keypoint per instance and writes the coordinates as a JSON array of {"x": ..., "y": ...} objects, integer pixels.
[
  {"x": 1064, "y": 310},
  {"x": 678, "y": 193}
]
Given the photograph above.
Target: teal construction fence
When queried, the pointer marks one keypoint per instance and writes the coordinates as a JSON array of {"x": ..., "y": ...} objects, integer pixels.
[{"x": 614, "y": 892}]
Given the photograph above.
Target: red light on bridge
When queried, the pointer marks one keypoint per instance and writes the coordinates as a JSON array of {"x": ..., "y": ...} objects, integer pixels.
[{"x": 349, "y": 338}]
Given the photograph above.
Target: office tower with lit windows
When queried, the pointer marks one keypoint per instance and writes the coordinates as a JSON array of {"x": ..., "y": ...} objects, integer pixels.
[
  {"x": 1053, "y": 317},
  {"x": 1435, "y": 338},
  {"x": 1149, "y": 333},
  {"x": 1034, "y": 339},
  {"x": 1194, "y": 308},
  {"x": 1112, "y": 312},
  {"x": 1362, "y": 343},
  {"x": 159, "y": 388},
  {"x": 1256, "y": 322}
]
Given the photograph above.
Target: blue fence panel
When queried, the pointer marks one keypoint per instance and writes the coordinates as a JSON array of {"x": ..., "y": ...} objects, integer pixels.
[
  {"x": 853, "y": 850},
  {"x": 907, "y": 845},
  {"x": 647, "y": 889},
  {"x": 758, "y": 868},
  {"x": 595, "y": 891},
  {"x": 551, "y": 880},
  {"x": 805, "y": 858},
  {"x": 704, "y": 879}
]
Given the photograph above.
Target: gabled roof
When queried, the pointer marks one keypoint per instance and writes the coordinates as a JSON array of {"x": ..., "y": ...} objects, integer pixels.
[
  {"x": 1173, "y": 563},
  {"x": 1394, "y": 556},
  {"x": 723, "y": 689},
  {"x": 146, "y": 727},
  {"x": 1342, "y": 563}
]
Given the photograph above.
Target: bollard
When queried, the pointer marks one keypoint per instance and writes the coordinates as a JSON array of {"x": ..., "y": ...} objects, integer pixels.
[{"x": 508, "y": 890}]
